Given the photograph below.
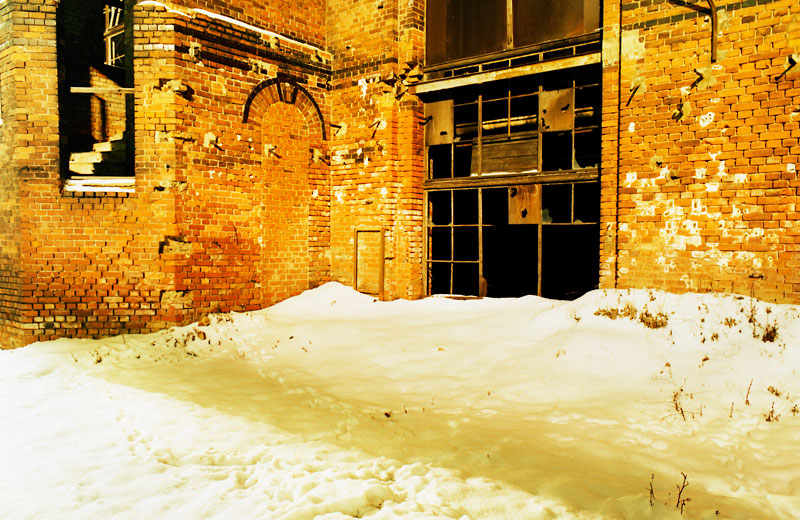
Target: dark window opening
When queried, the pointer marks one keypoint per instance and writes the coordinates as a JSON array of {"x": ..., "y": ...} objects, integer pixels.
[
  {"x": 528, "y": 239},
  {"x": 458, "y": 29},
  {"x": 95, "y": 80}
]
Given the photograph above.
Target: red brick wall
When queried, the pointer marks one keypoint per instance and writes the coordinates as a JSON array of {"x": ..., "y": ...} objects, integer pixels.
[
  {"x": 231, "y": 150},
  {"x": 376, "y": 146},
  {"x": 10, "y": 275},
  {"x": 707, "y": 165},
  {"x": 213, "y": 223}
]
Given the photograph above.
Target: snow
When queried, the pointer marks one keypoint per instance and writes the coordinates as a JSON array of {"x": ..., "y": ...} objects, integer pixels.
[{"x": 332, "y": 405}]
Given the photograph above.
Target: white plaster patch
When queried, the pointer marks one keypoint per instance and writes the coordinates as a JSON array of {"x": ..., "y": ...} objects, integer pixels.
[
  {"x": 697, "y": 206},
  {"x": 665, "y": 172},
  {"x": 363, "y": 84},
  {"x": 315, "y": 193},
  {"x": 712, "y": 186},
  {"x": 740, "y": 178},
  {"x": 706, "y": 119},
  {"x": 685, "y": 91},
  {"x": 722, "y": 167},
  {"x": 630, "y": 178},
  {"x": 632, "y": 127},
  {"x": 714, "y": 155},
  {"x": 384, "y": 192},
  {"x": 700, "y": 173},
  {"x": 791, "y": 168}
]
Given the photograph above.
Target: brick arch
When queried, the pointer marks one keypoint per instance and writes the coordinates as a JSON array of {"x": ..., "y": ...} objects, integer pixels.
[{"x": 284, "y": 90}]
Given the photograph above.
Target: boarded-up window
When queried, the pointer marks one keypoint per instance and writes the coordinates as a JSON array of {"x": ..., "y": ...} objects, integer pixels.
[{"x": 458, "y": 29}]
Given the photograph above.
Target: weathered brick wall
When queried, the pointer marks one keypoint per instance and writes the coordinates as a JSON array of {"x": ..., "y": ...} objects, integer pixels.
[
  {"x": 215, "y": 221},
  {"x": 707, "y": 150},
  {"x": 227, "y": 122},
  {"x": 301, "y": 21},
  {"x": 10, "y": 276},
  {"x": 376, "y": 143}
]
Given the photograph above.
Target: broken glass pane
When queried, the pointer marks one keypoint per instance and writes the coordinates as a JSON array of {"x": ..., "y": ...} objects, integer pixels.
[
  {"x": 439, "y": 204},
  {"x": 439, "y": 161},
  {"x": 557, "y": 203},
  {"x": 465, "y": 206},
  {"x": 587, "y": 202},
  {"x": 556, "y": 151},
  {"x": 439, "y": 277},
  {"x": 440, "y": 244},
  {"x": 462, "y": 166},
  {"x": 465, "y": 243},
  {"x": 587, "y": 147},
  {"x": 465, "y": 279}
]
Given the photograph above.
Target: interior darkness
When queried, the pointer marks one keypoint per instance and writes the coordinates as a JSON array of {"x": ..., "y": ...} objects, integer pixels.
[
  {"x": 570, "y": 251},
  {"x": 439, "y": 161},
  {"x": 557, "y": 203},
  {"x": 556, "y": 151},
  {"x": 570, "y": 258},
  {"x": 465, "y": 279},
  {"x": 439, "y": 277},
  {"x": 510, "y": 260},
  {"x": 587, "y": 202}
]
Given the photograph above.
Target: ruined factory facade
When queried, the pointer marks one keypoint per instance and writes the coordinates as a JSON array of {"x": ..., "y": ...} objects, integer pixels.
[{"x": 166, "y": 159}]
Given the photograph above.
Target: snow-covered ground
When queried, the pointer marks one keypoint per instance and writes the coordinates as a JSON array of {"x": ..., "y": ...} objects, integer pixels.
[{"x": 331, "y": 405}]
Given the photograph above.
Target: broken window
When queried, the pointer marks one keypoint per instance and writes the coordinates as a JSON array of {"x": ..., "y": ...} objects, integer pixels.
[
  {"x": 95, "y": 93},
  {"x": 458, "y": 29},
  {"x": 531, "y": 124},
  {"x": 114, "y": 34},
  {"x": 514, "y": 240}
]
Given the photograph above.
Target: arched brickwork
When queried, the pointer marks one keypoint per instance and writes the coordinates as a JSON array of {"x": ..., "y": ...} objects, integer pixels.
[
  {"x": 284, "y": 90},
  {"x": 286, "y": 126}
]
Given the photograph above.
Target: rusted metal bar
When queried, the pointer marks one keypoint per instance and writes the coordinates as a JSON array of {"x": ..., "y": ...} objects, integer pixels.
[{"x": 713, "y": 7}]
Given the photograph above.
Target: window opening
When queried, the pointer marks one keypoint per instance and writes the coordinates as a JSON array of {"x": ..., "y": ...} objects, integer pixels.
[
  {"x": 526, "y": 125},
  {"x": 527, "y": 239},
  {"x": 114, "y": 34},
  {"x": 459, "y": 29}
]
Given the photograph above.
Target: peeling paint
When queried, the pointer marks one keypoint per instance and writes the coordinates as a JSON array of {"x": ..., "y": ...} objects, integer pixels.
[
  {"x": 610, "y": 50},
  {"x": 706, "y": 119},
  {"x": 633, "y": 45}
]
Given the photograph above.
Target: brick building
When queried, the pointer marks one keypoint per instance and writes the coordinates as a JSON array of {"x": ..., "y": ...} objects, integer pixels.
[{"x": 162, "y": 160}]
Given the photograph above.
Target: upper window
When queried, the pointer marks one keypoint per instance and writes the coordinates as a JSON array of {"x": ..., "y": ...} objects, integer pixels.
[
  {"x": 526, "y": 125},
  {"x": 114, "y": 33},
  {"x": 458, "y": 29}
]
